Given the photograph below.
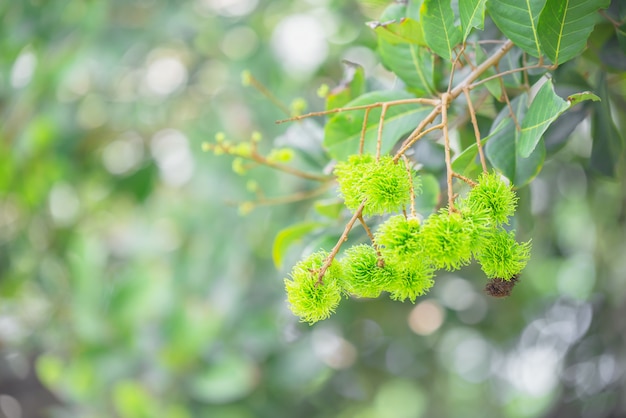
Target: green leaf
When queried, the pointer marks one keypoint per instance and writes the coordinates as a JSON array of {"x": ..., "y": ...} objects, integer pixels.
[
  {"x": 608, "y": 144},
  {"x": 545, "y": 108},
  {"x": 352, "y": 86},
  {"x": 494, "y": 86},
  {"x": 565, "y": 25},
  {"x": 412, "y": 63},
  {"x": 405, "y": 30},
  {"x": 440, "y": 33},
  {"x": 289, "y": 236},
  {"x": 472, "y": 15},
  {"x": 132, "y": 400},
  {"x": 330, "y": 208},
  {"x": 501, "y": 149},
  {"x": 576, "y": 98},
  {"x": 468, "y": 157},
  {"x": 343, "y": 131},
  {"x": 517, "y": 20}
]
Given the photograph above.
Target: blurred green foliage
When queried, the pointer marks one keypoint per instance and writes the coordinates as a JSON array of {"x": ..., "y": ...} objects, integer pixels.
[{"x": 130, "y": 287}]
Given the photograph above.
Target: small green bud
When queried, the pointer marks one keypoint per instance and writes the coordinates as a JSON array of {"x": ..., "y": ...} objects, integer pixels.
[
  {"x": 246, "y": 78},
  {"x": 206, "y": 146},
  {"x": 256, "y": 136},
  {"x": 323, "y": 90},
  {"x": 245, "y": 208},
  {"x": 280, "y": 155},
  {"x": 298, "y": 106},
  {"x": 243, "y": 149},
  {"x": 238, "y": 166},
  {"x": 220, "y": 137},
  {"x": 252, "y": 186}
]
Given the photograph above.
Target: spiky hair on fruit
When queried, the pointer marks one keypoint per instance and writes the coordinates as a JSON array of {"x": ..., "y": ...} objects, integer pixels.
[
  {"x": 492, "y": 196},
  {"x": 446, "y": 238},
  {"x": 365, "y": 274},
  {"x": 309, "y": 299},
  {"x": 398, "y": 237},
  {"x": 350, "y": 176},
  {"x": 413, "y": 277},
  {"x": 387, "y": 187},
  {"x": 384, "y": 185},
  {"x": 502, "y": 256}
]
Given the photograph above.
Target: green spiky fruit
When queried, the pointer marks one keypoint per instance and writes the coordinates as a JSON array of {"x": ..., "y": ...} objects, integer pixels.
[
  {"x": 494, "y": 197},
  {"x": 398, "y": 237},
  {"x": 413, "y": 277},
  {"x": 387, "y": 187},
  {"x": 502, "y": 256},
  {"x": 446, "y": 239},
  {"x": 384, "y": 185},
  {"x": 350, "y": 175},
  {"x": 365, "y": 275},
  {"x": 310, "y": 300}
]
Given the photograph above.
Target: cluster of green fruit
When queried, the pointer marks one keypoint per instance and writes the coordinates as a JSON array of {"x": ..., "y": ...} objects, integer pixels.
[{"x": 405, "y": 253}]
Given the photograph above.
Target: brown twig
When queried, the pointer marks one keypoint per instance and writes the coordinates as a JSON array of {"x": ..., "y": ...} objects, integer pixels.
[
  {"x": 342, "y": 239},
  {"x": 363, "y": 130},
  {"x": 472, "y": 113},
  {"x": 411, "y": 189},
  {"x": 430, "y": 102},
  {"x": 268, "y": 94},
  {"x": 445, "y": 102},
  {"x": 379, "y": 137},
  {"x": 467, "y": 180}
]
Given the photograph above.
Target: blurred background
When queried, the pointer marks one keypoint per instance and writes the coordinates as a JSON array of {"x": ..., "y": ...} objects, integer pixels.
[{"x": 131, "y": 286}]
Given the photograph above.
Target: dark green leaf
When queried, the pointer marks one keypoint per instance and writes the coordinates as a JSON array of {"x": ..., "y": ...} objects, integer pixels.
[
  {"x": 564, "y": 27},
  {"x": 608, "y": 143},
  {"x": 494, "y": 86},
  {"x": 518, "y": 21},
  {"x": 501, "y": 149},
  {"x": 343, "y": 131},
  {"x": 440, "y": 32},
  {"x": 545, "y": 108}
]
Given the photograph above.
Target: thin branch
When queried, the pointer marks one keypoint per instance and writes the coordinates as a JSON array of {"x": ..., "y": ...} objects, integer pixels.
[
  {"x": 445, "y": 101},
  {"x": 342, "y": 239},
  {"x": 287, "y": 169},
  {"x": 430, "y": 102},
  {"x": 472, "y": 113},
  {"x": 295, "y": 197},
  {"x": 268, "y": 94},
  {"x": 508, "y": 104},
  {"x": 465, "y": 179},
  {"x": 507, "y": 72},
  {"x": 363, "y": 129},
  {"x": 416, "y": 135},
  {"x": 367, "y": 229},
  {"x": 411, "y": 189},
  {"x": 379, "y": 138}
]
